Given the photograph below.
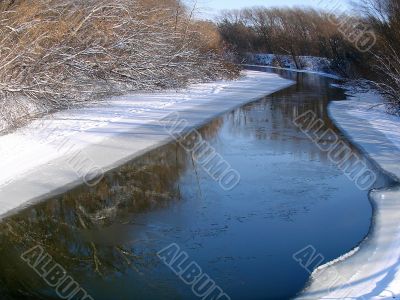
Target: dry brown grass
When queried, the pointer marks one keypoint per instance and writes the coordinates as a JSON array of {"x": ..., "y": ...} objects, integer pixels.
[{"x": 55, "y": 54}]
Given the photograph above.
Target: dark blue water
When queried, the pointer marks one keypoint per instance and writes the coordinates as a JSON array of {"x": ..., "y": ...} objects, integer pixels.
[{"x": 290, "y": 196}]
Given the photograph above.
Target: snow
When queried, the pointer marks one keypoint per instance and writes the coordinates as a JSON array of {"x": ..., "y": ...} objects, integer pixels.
[
  {"x": 44, "y": 158},
  {"x": 35, "y": 164},
  {"x": 371, "y": 271},
  {"x": 309, "y": 64},
  {"x": 328, "y": 75}
]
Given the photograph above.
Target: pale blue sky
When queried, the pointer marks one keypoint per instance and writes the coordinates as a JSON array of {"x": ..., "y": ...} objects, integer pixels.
[{"x": 212, "y": 7}]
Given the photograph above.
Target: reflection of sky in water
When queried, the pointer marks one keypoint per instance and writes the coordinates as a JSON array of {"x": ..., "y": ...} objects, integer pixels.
[{"x": 289, "y": 196}]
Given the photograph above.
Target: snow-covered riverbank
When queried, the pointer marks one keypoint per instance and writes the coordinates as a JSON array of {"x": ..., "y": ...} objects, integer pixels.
[
  {"x": 309, "y": 64},
  {"x": 46, "y": 157},
  {"x": 373, "y": 271},
  {"x": 328, "y": 75}
]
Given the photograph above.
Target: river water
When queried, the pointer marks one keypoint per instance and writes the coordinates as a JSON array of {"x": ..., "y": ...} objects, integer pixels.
[{"x": 290, "y": 196}]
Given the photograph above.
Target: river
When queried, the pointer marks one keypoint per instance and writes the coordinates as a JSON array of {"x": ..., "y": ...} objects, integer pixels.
[{"x": 290, "y": 196}]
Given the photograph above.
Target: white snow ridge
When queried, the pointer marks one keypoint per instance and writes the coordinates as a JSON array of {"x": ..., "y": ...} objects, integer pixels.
[
  {"x": 372, "y": 272},
  {"x": 36, "y": 160}
]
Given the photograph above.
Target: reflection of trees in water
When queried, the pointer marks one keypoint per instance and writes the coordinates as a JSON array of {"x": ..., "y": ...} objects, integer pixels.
[
  {"x": 211, "y": 130},
  {"x": 273, "y": 117},
  {"x": 149, "y": 183}
]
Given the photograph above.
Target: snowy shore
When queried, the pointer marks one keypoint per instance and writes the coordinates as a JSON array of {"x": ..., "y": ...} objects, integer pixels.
[
  {"x": 328, "y": 75},
  {"x": 372, "y": 271},
  {"x": 44, "y": 158},
  {"x": 310, "y": 64}
]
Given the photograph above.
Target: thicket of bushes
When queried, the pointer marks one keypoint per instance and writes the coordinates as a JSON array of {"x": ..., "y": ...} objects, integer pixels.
[
  {"x": 383, "y": 16},
  {"x": 59, "y": 53},
  {"x": 288, "y": 31},
  {"x": 302, "y": 32}
]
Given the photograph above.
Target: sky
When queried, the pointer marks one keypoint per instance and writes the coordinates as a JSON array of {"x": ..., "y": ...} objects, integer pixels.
[{"x": 211, "y": 8}]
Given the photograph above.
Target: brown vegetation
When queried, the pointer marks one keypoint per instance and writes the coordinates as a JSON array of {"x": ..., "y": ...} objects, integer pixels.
[
  {"x": 384, "y": 18},
  {"x": 339, "y": 37},
  {"x": 293, "y": 32},
  {"x": 57, "y": 53}
]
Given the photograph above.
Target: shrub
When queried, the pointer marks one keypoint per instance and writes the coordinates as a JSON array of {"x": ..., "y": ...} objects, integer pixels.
[{"x": 59, "y": 53}]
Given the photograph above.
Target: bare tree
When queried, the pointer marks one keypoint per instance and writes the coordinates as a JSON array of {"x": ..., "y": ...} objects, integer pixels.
[
  {"x": 55, "y": 54},
  {"x": 384, "y": 17}
]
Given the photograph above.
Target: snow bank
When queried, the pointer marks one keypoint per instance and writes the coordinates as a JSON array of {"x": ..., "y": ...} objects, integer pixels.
[
  {"x": 319, "y": 65},
  {"x": 297, "y": 71},
  {"x": 372, "y": 271},
  {"x": 42, "y": 159}
]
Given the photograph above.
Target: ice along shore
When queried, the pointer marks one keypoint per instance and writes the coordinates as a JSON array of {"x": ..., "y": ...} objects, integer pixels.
[
  {"x": 36, "y": 159},
  {"x": 372, "y": 271}
]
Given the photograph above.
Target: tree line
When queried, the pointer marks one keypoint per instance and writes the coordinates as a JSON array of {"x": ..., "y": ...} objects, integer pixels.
[{"x": 365, "y": 43}]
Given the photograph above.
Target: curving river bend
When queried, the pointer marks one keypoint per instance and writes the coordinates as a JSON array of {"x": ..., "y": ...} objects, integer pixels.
[{"x": 290, "y": 196}]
